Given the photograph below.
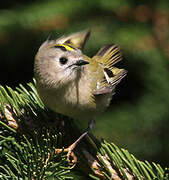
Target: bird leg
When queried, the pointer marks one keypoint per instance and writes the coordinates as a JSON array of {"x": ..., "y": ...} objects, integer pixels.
[{"x": 71, "y": 157}]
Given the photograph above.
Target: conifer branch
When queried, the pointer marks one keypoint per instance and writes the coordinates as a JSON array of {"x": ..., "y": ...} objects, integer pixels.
[{"x": 30, "y": 134}]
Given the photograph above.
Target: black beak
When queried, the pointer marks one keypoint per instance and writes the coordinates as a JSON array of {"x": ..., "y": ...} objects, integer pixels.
[{"x": 81, "y": 63}]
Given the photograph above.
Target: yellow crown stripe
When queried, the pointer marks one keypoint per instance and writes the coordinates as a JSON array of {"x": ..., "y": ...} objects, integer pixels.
[{"x": 68, "y": 48}]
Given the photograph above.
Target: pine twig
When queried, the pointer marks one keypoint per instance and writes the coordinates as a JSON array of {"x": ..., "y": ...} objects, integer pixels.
[{"x": 31, "y": 152}]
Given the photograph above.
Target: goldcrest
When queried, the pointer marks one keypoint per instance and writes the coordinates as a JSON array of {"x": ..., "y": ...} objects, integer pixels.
[{"x": 73, "y": 84}]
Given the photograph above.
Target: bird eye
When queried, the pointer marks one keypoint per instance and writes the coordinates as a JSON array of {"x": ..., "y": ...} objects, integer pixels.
[{"x": 63, "y": 60}]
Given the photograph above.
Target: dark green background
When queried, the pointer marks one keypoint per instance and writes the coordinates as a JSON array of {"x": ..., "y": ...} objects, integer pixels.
[{"x": 138, "y": 118}]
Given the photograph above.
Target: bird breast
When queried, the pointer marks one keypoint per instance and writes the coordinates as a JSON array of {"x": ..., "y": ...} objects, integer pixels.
[{"x": 74, "y": 99}]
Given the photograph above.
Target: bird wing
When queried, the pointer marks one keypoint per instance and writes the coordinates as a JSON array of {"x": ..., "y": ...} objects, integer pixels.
[
  {"x": 77, "y": 40},
  {"x": 106, "y": 58}
]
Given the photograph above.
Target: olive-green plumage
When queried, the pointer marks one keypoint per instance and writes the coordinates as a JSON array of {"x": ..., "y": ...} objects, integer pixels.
[{"x": 73, "y": 84}]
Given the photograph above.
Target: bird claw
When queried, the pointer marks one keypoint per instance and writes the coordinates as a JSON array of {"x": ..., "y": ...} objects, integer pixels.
[{"x": 71, "y": 157}]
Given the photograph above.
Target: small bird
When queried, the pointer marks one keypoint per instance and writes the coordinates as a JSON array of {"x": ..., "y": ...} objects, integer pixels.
[{"x": 73, "y": 84}]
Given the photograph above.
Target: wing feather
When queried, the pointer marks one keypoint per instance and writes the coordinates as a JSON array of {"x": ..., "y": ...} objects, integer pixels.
[{"x": 107, "y": 57}]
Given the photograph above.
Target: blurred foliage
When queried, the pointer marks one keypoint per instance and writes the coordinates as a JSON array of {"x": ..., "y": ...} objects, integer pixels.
[{"x": 138, "y": 117}]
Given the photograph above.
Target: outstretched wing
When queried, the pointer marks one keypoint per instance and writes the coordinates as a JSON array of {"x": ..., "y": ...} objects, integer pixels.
[
  {"x": 77, "y": 40},
  {"x": 107, "y": 57}
]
